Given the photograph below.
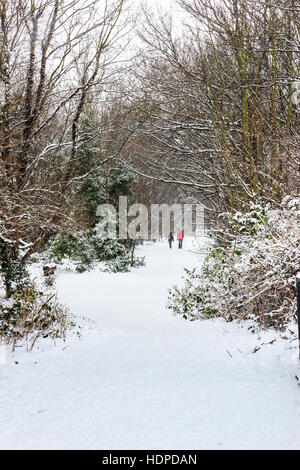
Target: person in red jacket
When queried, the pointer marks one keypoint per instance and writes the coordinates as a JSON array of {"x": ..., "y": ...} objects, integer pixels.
[{"x": 180, "y": 237}]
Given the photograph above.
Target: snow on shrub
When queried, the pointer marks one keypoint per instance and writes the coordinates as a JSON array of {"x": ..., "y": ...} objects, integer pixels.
[
  {"x": 252, "y": 277},
  {"x": 87, "y": 248},
  {"x": 76, "y": 246},
  {"x": 124, "y": 263},
  {"x": 32, "y": 314},
  {"x": 109, "y": 248}
]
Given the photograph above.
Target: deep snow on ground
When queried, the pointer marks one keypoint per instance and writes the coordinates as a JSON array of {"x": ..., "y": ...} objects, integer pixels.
[{"x": 142, "y": 378}]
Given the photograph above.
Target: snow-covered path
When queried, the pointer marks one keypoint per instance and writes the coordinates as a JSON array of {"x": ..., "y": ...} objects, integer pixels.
[{"x": 148, "y": 379}]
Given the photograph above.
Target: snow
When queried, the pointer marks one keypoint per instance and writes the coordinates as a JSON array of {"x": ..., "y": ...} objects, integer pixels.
[{"x": 141, "y": 378}]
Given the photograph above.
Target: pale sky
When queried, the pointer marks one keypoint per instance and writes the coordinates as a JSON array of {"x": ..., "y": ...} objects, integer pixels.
[{"x": 169, "y": 6}]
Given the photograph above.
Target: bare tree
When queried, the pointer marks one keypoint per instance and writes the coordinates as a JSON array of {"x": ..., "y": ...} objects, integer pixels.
[
  {"x": 55, "y": 56},
  {"x": 219, "y": 101}
]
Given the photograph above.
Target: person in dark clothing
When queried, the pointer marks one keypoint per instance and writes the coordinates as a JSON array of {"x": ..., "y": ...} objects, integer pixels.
[{"x": 170, "y": 239}]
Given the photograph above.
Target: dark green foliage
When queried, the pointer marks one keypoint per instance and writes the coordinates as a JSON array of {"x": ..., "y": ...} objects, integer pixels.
[
  {"x": 120, "y": 183},
  {"x": 104, "y": 187},
  {"x": 81, "y": 268},
  {"x": 75, "y": 246},
  {"x": 92, "y": 193},
  {"x": 12, "y": 269},
  {"x": 102, "y": 184}
]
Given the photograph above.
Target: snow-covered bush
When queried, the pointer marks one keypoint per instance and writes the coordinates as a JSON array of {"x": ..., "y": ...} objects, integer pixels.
[
  {"x": 253, "y": 276},
  {"x": 88, "y": 248},
  {"x": 32, "y": 314},
  {"x": 108, "y": 248},
  {"x": 124, "y": 263},
  {"x": 76, "y": 246}
]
